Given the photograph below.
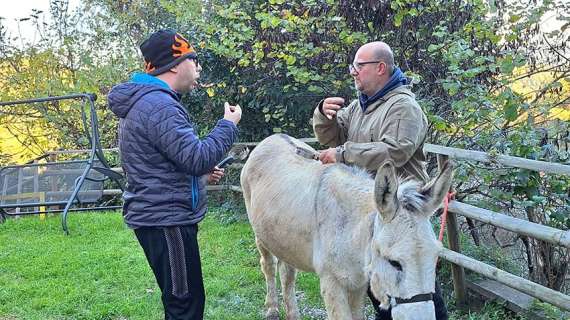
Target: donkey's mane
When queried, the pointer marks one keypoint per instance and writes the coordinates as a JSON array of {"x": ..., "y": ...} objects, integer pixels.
[
  {"x": 356, "y": 179},
  {"x": 355, "y": 171},
  {"x": 408, "y": 188}
]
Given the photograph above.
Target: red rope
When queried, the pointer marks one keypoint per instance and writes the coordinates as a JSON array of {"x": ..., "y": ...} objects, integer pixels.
[{"x": 450, "y": 196}]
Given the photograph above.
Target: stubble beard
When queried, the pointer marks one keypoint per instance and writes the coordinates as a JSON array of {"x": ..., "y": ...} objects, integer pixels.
[{"x": 357, "y": 86}]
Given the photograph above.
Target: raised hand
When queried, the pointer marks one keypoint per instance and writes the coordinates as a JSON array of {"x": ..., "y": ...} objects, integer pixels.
[
  {"x": 232, "y": 113},
  {"x": 331, "y": 106}
]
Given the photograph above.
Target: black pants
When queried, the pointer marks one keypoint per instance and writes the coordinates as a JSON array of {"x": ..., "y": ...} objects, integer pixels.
[
  {"x": 174, "y": 257},
  {"x": 439, "y": 305}
]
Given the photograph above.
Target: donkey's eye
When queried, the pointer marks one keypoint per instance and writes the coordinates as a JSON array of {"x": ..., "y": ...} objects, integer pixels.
[{"x": 395, "y": 264}]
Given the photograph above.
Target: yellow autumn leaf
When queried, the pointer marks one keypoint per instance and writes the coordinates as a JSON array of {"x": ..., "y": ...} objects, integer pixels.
[
  {"x": 210, "y": 92},
  {"x": 560, "y": 113}
]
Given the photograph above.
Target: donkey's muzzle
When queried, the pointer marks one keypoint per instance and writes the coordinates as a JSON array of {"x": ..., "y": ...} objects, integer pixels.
[{"x": 414, "y": 310}]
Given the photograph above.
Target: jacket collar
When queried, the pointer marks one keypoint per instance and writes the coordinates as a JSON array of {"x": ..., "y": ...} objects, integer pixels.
[
  {"x": 405, "y": 89},
  {"x": 397, "y": 79},
  {"x": 145, "y": 78}
]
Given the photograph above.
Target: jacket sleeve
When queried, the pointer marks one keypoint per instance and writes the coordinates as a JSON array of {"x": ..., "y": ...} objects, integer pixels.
[
  {"x": 173, "y": 135},
  {"x": 402, "y": 132},
  {"x": 332, "y": 132}
]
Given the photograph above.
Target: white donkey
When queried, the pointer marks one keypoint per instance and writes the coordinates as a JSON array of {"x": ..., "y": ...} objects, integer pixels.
[{"x": 353, "y": 231}]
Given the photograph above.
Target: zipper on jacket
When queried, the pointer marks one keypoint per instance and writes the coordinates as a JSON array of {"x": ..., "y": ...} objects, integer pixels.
[{"x": 195, "y": 193}]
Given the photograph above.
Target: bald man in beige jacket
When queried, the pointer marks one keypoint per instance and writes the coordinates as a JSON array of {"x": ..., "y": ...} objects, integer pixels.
[{"x": 384, "y": 123}]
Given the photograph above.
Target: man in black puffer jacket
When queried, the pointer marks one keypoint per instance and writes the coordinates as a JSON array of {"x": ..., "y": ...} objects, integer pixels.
[{"x": 167, "y": 167}]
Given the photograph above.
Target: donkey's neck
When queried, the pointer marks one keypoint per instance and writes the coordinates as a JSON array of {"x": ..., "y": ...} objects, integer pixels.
[{"x": 351, "y": 187}]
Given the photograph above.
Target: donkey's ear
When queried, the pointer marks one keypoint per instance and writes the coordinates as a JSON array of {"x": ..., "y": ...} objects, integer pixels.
[
  {"x": 437, "y": 188},
  {"x": 385, "y": 191}
]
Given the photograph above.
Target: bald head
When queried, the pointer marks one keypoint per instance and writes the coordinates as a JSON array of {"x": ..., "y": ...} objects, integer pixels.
[{"x": 380, "y": 51}]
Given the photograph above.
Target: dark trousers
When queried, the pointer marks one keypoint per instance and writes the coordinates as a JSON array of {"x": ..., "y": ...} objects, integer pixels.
[
  {"x": 174, "y": 257},
  {"x": 439, "y": 305}
]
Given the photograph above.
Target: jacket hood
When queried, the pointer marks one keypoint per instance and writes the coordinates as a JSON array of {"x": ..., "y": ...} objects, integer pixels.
[
  {"x": 397, "y": 79},
  {"x": 403, "y": 89},
  {"x": 122, "y": 97}
]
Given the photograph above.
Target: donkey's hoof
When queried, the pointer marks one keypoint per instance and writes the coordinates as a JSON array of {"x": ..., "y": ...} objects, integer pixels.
[
  {"x": 272, "y": 315},
  {"x": 294, "y": 316}
]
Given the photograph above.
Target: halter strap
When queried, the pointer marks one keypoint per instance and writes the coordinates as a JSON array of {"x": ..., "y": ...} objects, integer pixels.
[{"x": 417, "y": 298}]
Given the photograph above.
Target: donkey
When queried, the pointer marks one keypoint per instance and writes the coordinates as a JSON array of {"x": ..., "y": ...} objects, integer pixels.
[{"x": 354, "y": 231}]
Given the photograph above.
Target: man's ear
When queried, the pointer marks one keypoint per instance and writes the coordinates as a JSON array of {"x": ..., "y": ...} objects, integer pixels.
[
  {"x": 382, "y": 68},
  {"x": 175, "y": 68}
]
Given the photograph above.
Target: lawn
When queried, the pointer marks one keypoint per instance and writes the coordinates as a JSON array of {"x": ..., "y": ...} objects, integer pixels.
[{"x": 99, "y": 271}]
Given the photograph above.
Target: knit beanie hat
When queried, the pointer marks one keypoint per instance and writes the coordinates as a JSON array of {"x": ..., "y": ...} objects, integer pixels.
[{"x": 165, "y": 49}]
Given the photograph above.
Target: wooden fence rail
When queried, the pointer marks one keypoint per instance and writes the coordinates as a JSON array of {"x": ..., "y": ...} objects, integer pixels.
[
  {"x": 519, "y": 226},
  {"x": 532, "y": 289},
  {"x": 509, "y": 161}
]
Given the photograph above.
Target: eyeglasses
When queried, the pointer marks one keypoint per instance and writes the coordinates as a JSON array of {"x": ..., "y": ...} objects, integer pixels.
[
  {"x": 357, "y": 66},
  {"x": 195, "y": 60}
]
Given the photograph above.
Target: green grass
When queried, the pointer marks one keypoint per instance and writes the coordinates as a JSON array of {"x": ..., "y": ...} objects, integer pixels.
[{"x": 100, "y": 272}]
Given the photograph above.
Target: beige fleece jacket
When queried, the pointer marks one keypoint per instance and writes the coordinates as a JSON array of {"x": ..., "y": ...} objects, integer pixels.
[{"x": 393, "y": 128}]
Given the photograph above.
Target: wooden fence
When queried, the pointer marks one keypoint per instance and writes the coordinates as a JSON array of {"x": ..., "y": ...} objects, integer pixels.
[{"x": 453, "y": 254}]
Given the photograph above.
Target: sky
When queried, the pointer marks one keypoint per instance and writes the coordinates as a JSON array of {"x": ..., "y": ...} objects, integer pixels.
[{"x": 13, "y": 10}]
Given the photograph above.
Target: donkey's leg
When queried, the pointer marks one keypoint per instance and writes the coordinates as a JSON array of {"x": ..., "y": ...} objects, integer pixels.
[
  {"x": 288, "y": 275},
  {"x": 268, "y": 264},
  {"x": 336, "y": 299},
  {"x": 356, "y": 302}
]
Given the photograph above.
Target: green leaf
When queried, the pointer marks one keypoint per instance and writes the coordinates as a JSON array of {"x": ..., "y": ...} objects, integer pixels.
[
  {"x": 507, "y": 65},
  {"x": 316, "y": 89},
  {"x": 398, "y": 19},
  {"x": 538, "y": 199},
  {"x": 451, "y": 87},
  {"x": 275, "y": 21},
  {"x": 554, "y": 85},
  {"x": 473, "y": 72},
  {"x": 511, "y": 37},
  {"x": 433, "y": 47},
  {"x": 495, "y": 38},
  {"x": 511, "y": 111},
  {"x": 514, "y": 18},
  {"x": 290, "y": 60}
]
